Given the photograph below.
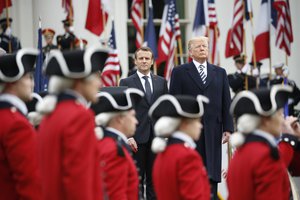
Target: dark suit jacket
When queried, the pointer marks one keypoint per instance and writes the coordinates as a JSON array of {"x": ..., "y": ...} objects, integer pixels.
[
  {"x": 185, "y": 79},
  {"x": 144, "y": 127}
]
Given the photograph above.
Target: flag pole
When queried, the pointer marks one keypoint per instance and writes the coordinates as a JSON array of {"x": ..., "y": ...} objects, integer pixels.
[
  {"x": 209, "y": 39},
  {"x": 270, "y": 63},
  {"x": 104, "y": 24},
  {"x": 216, "y": 36},
  {"x": 180, "y": 50},
  {"x": 8, "y": 25},
  {"x": 71, "y": 21},
  {"x": 244, "y": 49}
]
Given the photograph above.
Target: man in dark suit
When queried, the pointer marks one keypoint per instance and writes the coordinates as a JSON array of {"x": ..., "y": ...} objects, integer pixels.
[
  {"x": 201, "y": 77},
  {"x": 153, "y": 86}
]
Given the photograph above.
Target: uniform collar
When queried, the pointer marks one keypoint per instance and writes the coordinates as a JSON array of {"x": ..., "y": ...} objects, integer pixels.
[
  {"x": 15, "y": 101},
  {"x": 77, "y": 96},
  {"x": 184, "y": 137},
  {"x": 271, "y": 139},
  {"x": 120, "y": 134}
]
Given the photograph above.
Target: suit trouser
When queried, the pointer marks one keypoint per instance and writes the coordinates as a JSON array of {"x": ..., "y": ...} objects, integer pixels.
[{"x": 145, "y": 159}]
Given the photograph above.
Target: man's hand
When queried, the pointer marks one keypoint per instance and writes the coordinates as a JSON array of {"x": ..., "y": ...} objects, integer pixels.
[
  {"x": 226, "y": 136},
  {"x": 132, "y": 144},
  {"x": 291, "y": 126}
]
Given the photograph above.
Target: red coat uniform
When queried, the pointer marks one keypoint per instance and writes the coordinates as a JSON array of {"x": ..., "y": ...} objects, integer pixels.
[
  {"x": 179, "y": 173},
  {"x": 257, "y": 172},
  {"x": 68, "y": 153},
  {"x": 119, "y": 171},
  {"x": 19, "y": 177}
]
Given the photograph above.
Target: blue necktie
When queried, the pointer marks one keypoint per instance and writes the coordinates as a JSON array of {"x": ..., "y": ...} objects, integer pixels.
[
  {"x": 202, "y": 73},
  {"x": 148, "y": 89}
]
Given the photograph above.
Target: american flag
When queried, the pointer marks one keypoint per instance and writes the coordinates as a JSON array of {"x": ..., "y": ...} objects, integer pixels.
[
  {"x": 67, "y": 5},
  {"x": 137, "y": 20},
  {"x": 284, "y": 32},
  {"x": 234, "y": 42},
  {"x": 213, "y": 33},
  {"x": 112, "y": 66},
  {"x": 169, "y": 33}
]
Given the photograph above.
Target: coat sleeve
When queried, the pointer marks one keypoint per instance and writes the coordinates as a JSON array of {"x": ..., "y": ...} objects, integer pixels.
[
  {"x": 226, "y": 100},
  {"x": 79, "y": 158},
  {"x": 20, "y": 145},
  {"x": 193, "y": 180},
  {"x": 175, "y": 82}
]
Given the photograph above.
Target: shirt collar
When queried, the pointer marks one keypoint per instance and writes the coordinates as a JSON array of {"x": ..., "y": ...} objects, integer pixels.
[
  {"x": 267, "y": 136},
  {"x": 186, "y": 138},
  {"x": 142, "y": 75},
  {"x": 119, "y": 133},
  {"x": 15, "y": 101},
  {"x": 196, "y": 63}
]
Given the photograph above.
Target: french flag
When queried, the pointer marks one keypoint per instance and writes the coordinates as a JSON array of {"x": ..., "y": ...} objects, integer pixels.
[{"x": 262, "y": 31}]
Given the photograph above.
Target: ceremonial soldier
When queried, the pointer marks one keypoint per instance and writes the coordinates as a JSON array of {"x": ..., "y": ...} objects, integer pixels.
[
  {"x": 281, "y": 77},
  {"x": 115, "y": 112},
  {"x": 67, "y": 147},
  {"x": 240, "y": 80},
  {"x": 178, "y": 171},
  {"x": 67, "y": 40},
  {"x": 19, "y": 178},
  {"x": 8, "y": 41},
  {"x": 257, "y": 171},
  {"x": 48, "y": 36}
]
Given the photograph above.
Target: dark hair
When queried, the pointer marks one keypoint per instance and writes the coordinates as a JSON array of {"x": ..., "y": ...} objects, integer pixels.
[{"x": 143, "y": 49}]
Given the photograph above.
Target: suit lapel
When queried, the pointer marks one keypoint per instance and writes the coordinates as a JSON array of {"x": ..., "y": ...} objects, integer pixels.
[
  {"x": 156, "y": 86},
  {"x": 211, "y": 73},
  {"x": 194, "y": 74},
  {"x": 138, "y": 82}
]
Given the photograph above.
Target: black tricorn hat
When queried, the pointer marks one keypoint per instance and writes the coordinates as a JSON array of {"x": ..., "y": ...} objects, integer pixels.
[
  {"x": 4, "y": 21},
  {"x": 76, "y": 64},
  {"x": 178, "y": 106},
  {"x": 258, "y": 64},
  {"x": 239, "y": 58},
  {"x": 116, "y": 99},
  {"x": 67, "y": 22},
  {"x": 14, "y": 66},
  {"x": 262, "y": 102}
]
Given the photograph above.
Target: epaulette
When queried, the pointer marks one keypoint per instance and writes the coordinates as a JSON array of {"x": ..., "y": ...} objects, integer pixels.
[{"x": 291, "y": 140}]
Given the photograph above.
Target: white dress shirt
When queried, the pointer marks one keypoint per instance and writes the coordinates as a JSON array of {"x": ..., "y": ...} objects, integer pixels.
[
  {"x": 143, "y": 80},
  {"x": 197, "y": 64}
]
